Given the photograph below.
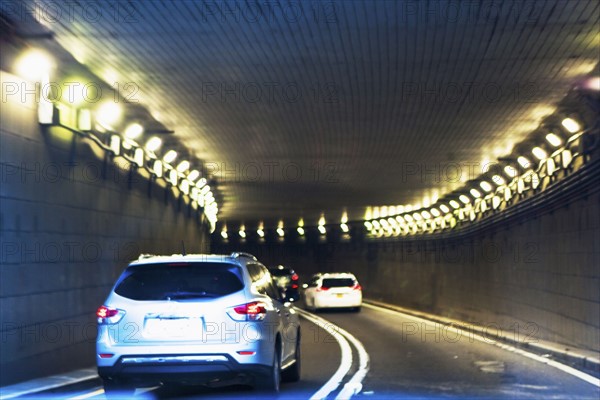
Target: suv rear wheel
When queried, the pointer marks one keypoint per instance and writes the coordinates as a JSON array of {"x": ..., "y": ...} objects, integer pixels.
[
  {"x": 292, "y": 373},
  {"x": 270, "y": 383}
]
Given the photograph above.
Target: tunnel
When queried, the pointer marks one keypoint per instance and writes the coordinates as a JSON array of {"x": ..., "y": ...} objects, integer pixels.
[{"x": 444, "y": 153}]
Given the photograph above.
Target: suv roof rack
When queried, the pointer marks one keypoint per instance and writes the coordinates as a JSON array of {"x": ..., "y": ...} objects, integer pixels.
[{"x": 237, "y": 254}]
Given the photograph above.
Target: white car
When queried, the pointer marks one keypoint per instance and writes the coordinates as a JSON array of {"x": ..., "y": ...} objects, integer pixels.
[{"x": 333, "y": 290}]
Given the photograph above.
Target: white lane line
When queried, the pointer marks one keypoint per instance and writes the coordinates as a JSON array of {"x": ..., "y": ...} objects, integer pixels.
[
  {"x": 346, "y": 359},
  {"x": 42, "y": 388},
  {"x": 562, "y": 367},
  {"x": 88, "y": 395},
  {"x": 354, "y": 385}
]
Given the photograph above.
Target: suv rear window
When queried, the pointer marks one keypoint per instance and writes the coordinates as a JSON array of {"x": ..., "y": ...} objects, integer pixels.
[
  {"x": 337, "y": 282},
  {"x": 179, "y": 281},
  {"x": 281, "y": 272}
]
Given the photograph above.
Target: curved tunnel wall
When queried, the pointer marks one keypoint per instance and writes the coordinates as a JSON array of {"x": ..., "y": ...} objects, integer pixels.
[
  {"x": 535, "y": 276},
  {"x": 69, "y": 224}
]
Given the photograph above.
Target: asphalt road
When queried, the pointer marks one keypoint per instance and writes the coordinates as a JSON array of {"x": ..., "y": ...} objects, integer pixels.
[{"x": 408, "y": 359}]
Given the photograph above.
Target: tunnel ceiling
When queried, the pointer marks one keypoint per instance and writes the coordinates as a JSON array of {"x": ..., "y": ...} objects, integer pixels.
[{"x": 303, "y": 108}]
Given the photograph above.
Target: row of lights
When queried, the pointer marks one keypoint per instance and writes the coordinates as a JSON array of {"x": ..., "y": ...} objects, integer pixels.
[
  {"x": 36, "y": 65},
  {"x": 396, "y": 220}
]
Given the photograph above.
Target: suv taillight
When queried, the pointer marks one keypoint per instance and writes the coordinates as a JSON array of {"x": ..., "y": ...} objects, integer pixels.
[
  {"x": 295, "y": 277},
  {"x": 253, "y": 311},
  {"x": 107, "y": 315}
]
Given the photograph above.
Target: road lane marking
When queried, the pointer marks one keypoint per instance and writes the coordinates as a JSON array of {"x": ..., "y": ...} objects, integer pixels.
[
  {"x": 88, "y": 395},
  {"x": 562, "y": 367},
  {"x": 354, "y": 385}
]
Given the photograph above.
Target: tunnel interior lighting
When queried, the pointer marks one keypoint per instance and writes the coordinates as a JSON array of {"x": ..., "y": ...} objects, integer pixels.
[
  {"x": 300, "y": 231},
  {"x": 344, "y": 218},
  {"x": 185, "y": 186},
  {"x": 280, "y": 232},
  {"x": 384, "y": 223},
  {"x": 475, "y": 193},
  {"x": 242, "y": 231},
  {"x": 376, "y": 224},
  {"x": 108, "y": 114},
  {"x": 260, "y": 232},
  {"x": 138, "y": 157},
  {"x": 34, "y": 65},
  {"x": 224, "y": 233},
  {"x": 115, "y": 144},
  {"x": 322, "y": 229},
  {"x": 498, "y": 180},
  {"x": 157, "y": 168},
  {"x": 201, "y": 183},
  {"x": 170, "y": 156},
  {"x": 464, "y": 198},
  {"x": 408, "y": 218},
  {"x": 524, "y": 162},
  {"x": 554, "y": 139},
  {"x": 400, "y": 219},
  {"x": 84, "y": 120},
  {"x": 134, "y": 131},
  {"x": 485, "y": 186},
  {"x": 344, "y": 227},
  {"x": 455, "y": 204},
  {"x": 205, "y": 189},
  {"x": 539, "y": 153},
  {"x": 425, "y": 214},
  {"x": 416, "y": 216},
  {"x": 444, "y": 208},
  {"x": 183, "y": 166},
  {"x": 153, "y": 144},
  {"x": 368, "y": 225},
  {"x": 173, "y": 177},
  {"x": 435, "y": 212},
  {"x": 571, "y": 125},
  {"x": 510, "y": 171},
  {"x": 193, "y": 175}
]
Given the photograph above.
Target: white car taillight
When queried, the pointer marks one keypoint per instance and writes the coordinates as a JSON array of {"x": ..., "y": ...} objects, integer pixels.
[
  {"x": 253, "y": 311},
  {"x": 107, "y": 315}
]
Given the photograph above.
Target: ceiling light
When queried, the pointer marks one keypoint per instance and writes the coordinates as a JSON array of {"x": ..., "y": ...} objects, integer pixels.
[
  {"x": 425, "y": 214},
  {"x": 183, "y": 166},
  {"x": 242, "y": 231},
  {"x": 108, "y": 114},
  {"x": 455, "y": 204},
  {"x": 153, "y": 144},
  {"x": 300, "y": 231},
  {"x": 498, "y": 180},
  {"x": 510, "y": 171},
  {"x": 376, "y": 224},
  {"x": 170, "y": 156},
  {"x": 344, "y": 227},
  {"x": 539, "y": 153},
  {"x": 571, "y": 125},
  {"x": 400, "y": 219},
  {"x": 322, "y": 229},
  {"x": 201, "y": 183},
  {"x": 485, "y": 186},
  {"x": 553, "y": 139},
  {"x": 523, "y": 162},
  {"x": 475, "y": 193},
  {"x": 34, "y": 65},
  {"x": 368, "y": 225},
  {"x": 445, "y": 208},
  {"x": 134, "y": 131},
  {"x": 464, "y": 198},
  {"x": 192, "y": 176},
  {"x": 435, "y": 212}
]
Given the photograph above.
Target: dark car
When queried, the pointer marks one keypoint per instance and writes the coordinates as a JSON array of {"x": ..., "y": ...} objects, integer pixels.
[{"x": 287, "y": 281}]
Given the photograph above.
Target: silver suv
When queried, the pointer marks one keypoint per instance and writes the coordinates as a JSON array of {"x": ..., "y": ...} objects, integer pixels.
[{"x": 196, "y": 319}]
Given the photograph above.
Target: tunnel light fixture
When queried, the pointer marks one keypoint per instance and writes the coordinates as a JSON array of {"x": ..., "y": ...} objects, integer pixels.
[
  {"x": 510, "y": 171},
  {"x": 201, "y": 183},
  {"x": 498, "y": 180},
  {"x": 408, "y": 218},
  {"x": 157, "y": 168},
  {"x": 134, "y": 131},
  {"x": 205, "y": 189},
  {"x": 300, "y": 231},
  {"x": 153, "y": 144},
  {"x": 416, "y": 216},
  {"x": 173, "y": 177},
  {"x": 84, "y": 120},
  {"x": 464, "y": 198},
  {"x": 108, "y": 114},
  {"x": 524, "y": 162},
  {"x": 170, "y": 156},
  {"x": 455, "y": 204},
  {"x": 553, "y": 139},
  {"x": 322, "y": 229},
  {"x": 571, "y": 125},
  {"x": 400, "y": 219},
  {"x": 376, "y": 224},
  {"x": 185, "y": 186},
  {"x": 475, "y": 193},
  {"x": 34, "y": 65},
  {"x": 224, "y": 234},
  {"x": 242, "y": 231},
  {"x": 539, "y": 153},
  {"x": 193, "y": 175},
  {"x": 115, "y": 144},
  {"x": 344, "y": 227},
  {"x": 280, "y": 230},
  {"x": 426, "y": 214},
  {"x": 384, "y": 223},
  {"x": 344, "y": 217},
  {"x": 435, "y": 212},
  {"x": 138, "y": 157},
  {"x": 444, "y": 208},
  {"x": 368, "y": 225},
  {"x": 485, "y": 186},
  {"x": 183, "y": 166}
]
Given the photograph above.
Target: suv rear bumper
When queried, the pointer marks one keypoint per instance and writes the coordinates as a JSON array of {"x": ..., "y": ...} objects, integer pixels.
[{"x": 213, "y": 369}]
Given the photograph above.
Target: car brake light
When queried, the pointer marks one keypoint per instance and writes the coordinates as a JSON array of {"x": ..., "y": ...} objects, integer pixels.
[
  {"x": 106, "y": 355},
  {"x": 105, "y": 312},
  {"x": 295, "y": 277},
  {"x": 357, "y": 287},
  {"x": 253, "y": 311},
  {"x": 294, "y": 286},
  {"x": 107, "y": 315},
  {"x": 322, "y": 288}
]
